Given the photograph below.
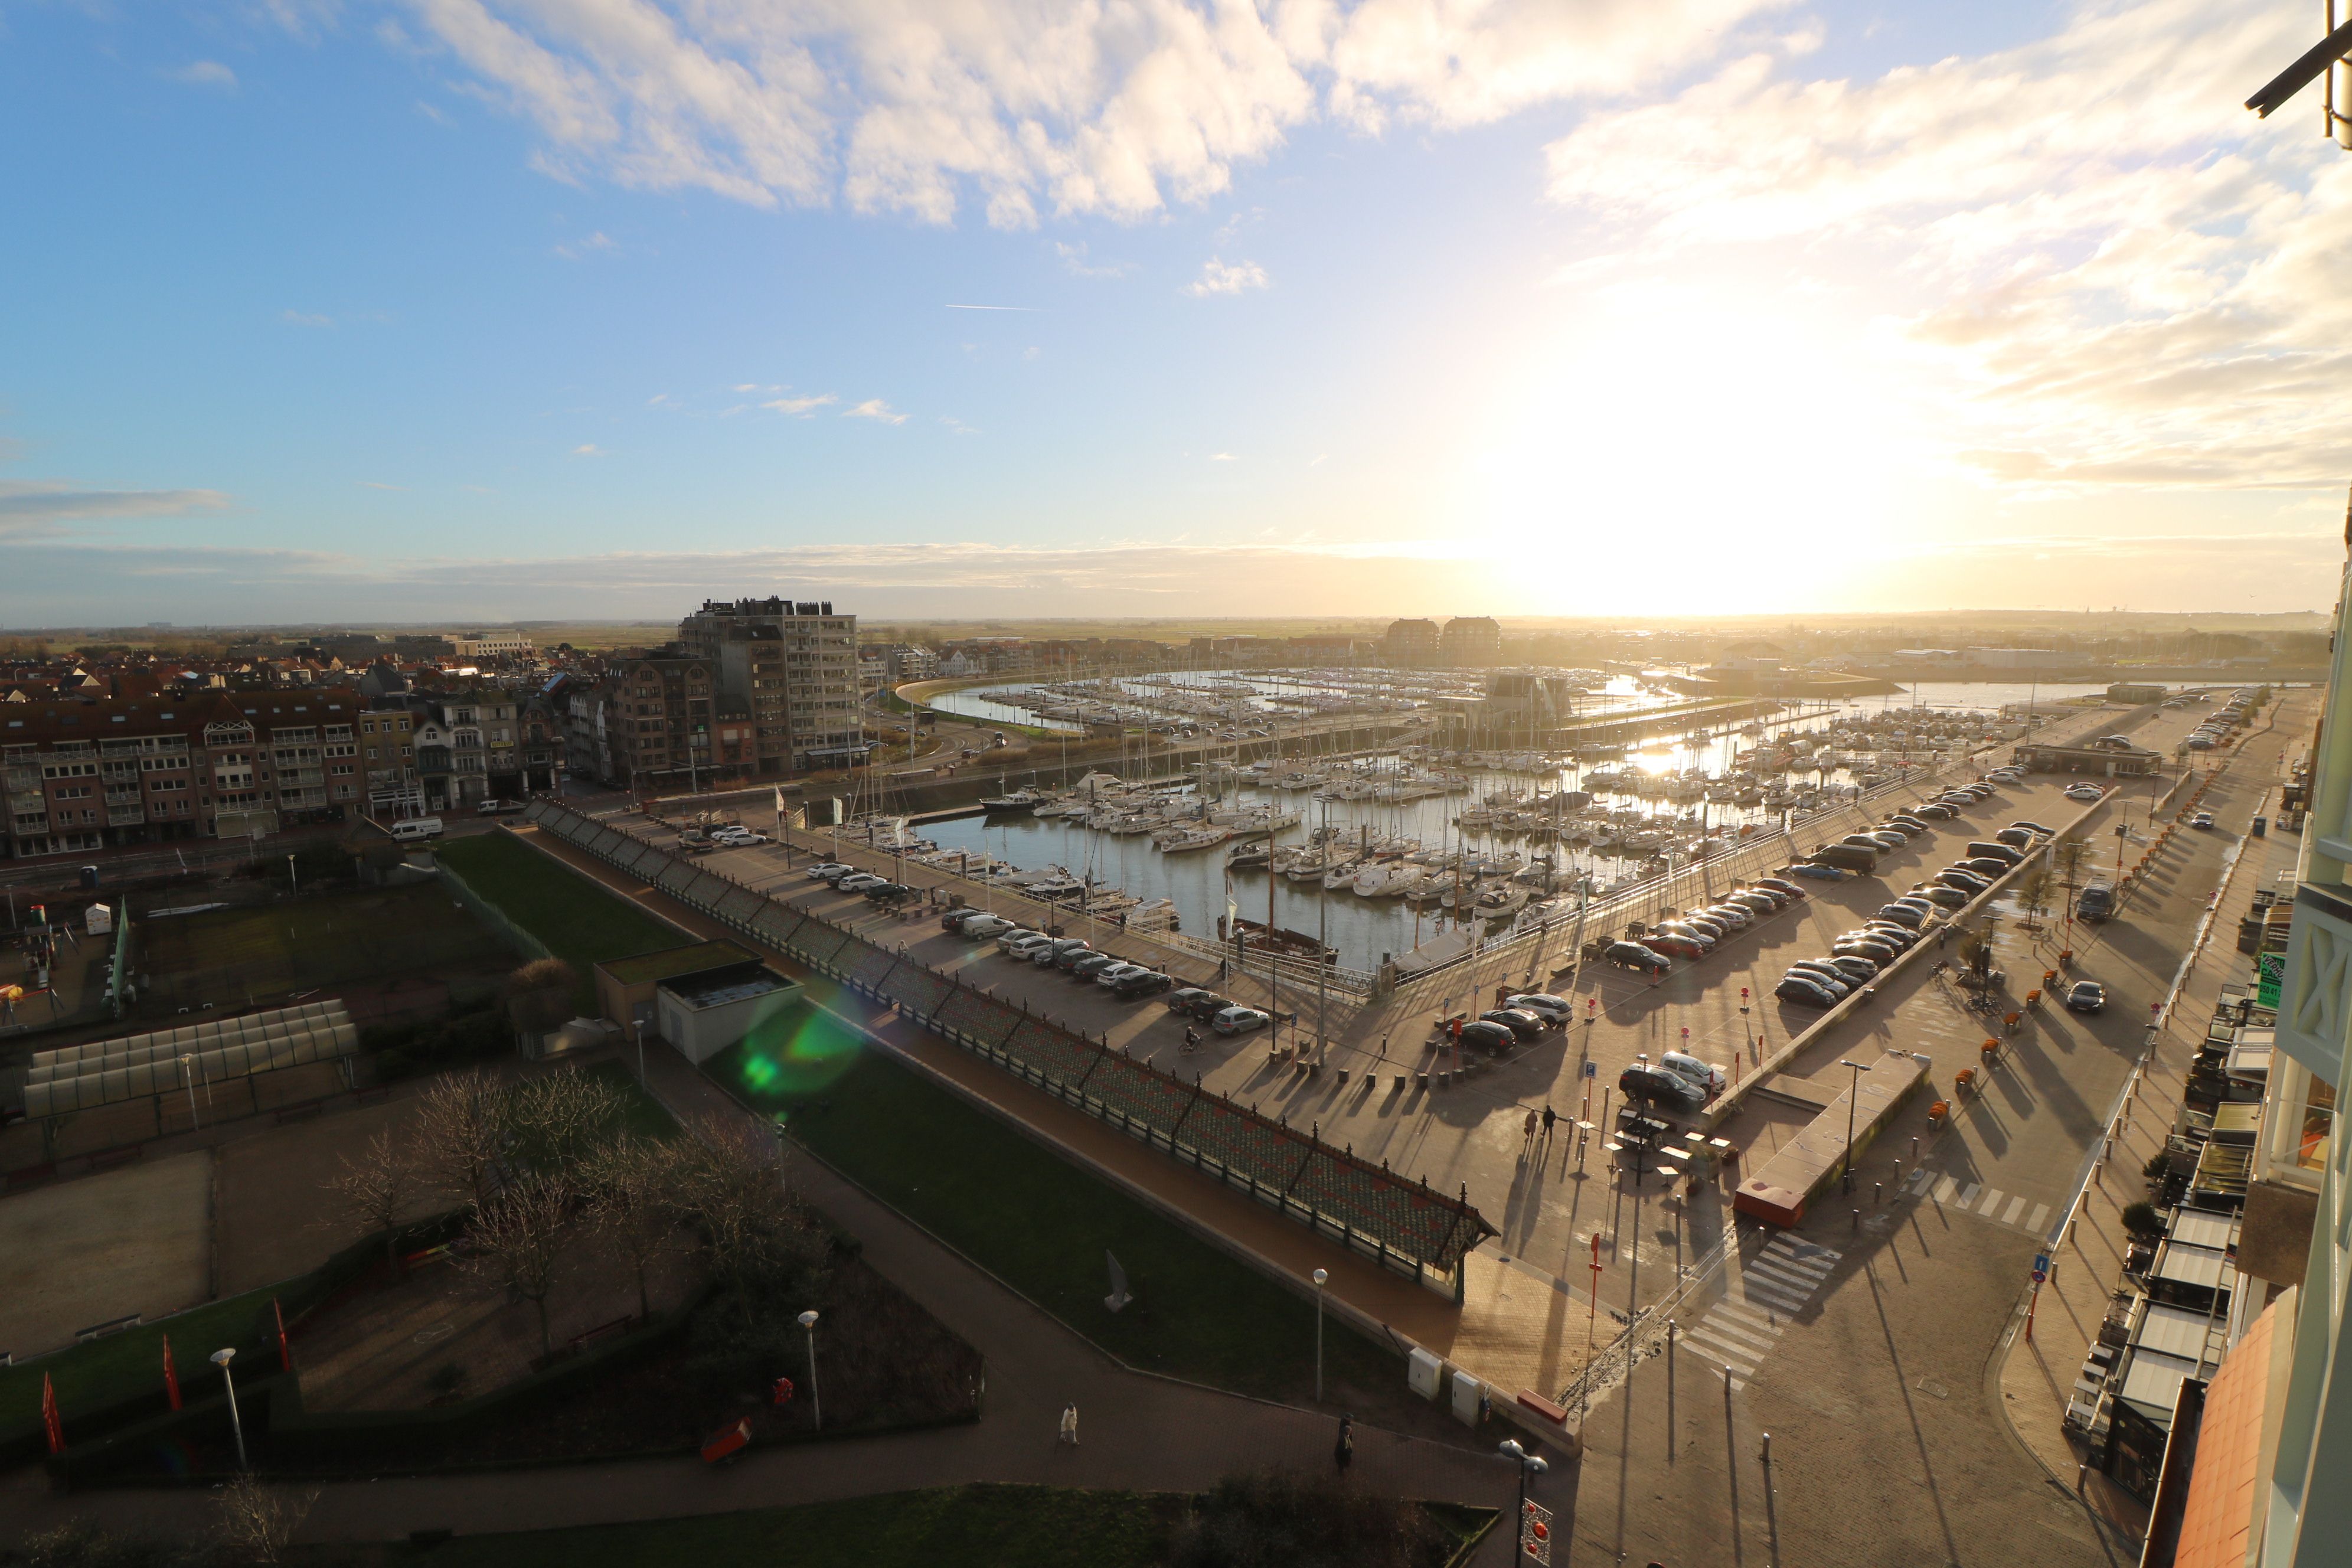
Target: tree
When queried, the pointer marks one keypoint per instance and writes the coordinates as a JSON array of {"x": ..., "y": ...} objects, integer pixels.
[
  {"x": 539, "y": 994},
  {"x": 630, "y": 1184},
  {"x": 2033, "y": 895},
  {"x": 731, "y": 1181},
  {"x": 258, "y": 1523},
  {"x": 517, "y": 1241},
  {"x": 462, "y": 1126},
  {"x": 553, "y": 1120},
  {"x": 375, "y": 1189}
]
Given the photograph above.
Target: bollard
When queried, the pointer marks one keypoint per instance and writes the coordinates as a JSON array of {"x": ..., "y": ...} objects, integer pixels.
[
  {"x": 1915, "y": 1150},
  {"x": 1857, "y": 1222},
  {"x": 1878, "y": 1192},
  {"x": 1765, "y": 1456}
]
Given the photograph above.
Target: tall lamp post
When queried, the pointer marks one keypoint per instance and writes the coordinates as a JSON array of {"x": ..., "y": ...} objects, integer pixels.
[
  {"x": 1853, "y": 1093},
  {"x": 816, "y": 1400},
  {"x": 221, "y": 1359},
  {"x": 1527, "y": 1465},
  {"x": 1321, "y": 1276}
]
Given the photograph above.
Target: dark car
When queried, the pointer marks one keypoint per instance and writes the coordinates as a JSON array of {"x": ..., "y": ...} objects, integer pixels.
[
  {"x": 2007, "y": 854},
  {"x": 1822, "y": 972},
  {"x": 1635, "y": 956},
  {"x": 1966, "y": 881},
  {"x": 1201, "y": 1005},
  {"x": 1674, "y": 944},
  {"x": 1801, "y": 989},
  {"x": 2035, "y": 827},
  {"x": 1144, "y": 984},
  {"x": 953, "y": 920},
  {"x": 1090, "y": 964},
  {"x": 1181, "y": 1000},
  {"x": 1982, "y": 865},
  {"x": 1852, "y": 966},
  {"x": 1778, "y": 885},
  {"x": 1906, "y": 823},
  {"x": 889, "y": 893},
  {"x": 2086, "y": 997},
  {"x": 1487, "y": 1036},
  {"x": 2017, "y": 837},
  {"x": 1912, "y": 915},
  {"x": 1935, "y": 811},
  {"x": 1656, "y": 1085},
  {"x": 1526, "y": 1025}
]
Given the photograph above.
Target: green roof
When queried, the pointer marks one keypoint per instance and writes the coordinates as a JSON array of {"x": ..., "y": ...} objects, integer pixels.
[{"x": 669, "y": 960}]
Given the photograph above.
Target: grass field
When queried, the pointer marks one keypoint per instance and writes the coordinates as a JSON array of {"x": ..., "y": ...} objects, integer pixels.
[
  {"x": 1043, "y": 1224},
  {"x": 577, "y": 921},
  {"x": 230, "y": 955},
  {"x": 129, "y": 1363}
]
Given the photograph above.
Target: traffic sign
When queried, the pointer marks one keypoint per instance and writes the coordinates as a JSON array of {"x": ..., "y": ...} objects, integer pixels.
[
  {"x": 1592, "y": 1068},
  {"x": 2041, "y": 1263},
  {"x": 2039, "y": 1276}
]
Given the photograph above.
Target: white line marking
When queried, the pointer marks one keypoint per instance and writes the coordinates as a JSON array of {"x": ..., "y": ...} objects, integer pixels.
[
  {"x": 1917, "y": 1180},
  {"x": 1734, "y": 1312},
  {"x": 1773, "y": 1295},
  {"x": 1810, "y": 1268},
  {"x": 2034, "y": 1220},
  {"x": 1968, "y": 1195},
  {"x": 1992, "y": 1201},
  {"x": 1945, "y": 1189},
  {"x": 2016, "y": 1207},
  {"x": 1733, "y": 1360},
  {"x": 1725, "y": 1330},
  {"x": 1798, "y": 1285}
]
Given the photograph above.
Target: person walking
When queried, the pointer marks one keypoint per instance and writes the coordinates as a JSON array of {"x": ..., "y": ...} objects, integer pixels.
[
  {"x": 1548, "y": 1118},
  {"x": 1527, "y": 1131},
  {"x": 1069, "y": 1425},
  {"x": 1343, "y": 1451}
]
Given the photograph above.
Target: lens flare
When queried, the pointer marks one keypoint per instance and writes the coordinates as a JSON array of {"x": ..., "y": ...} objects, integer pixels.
[{"x": 798, "y": 1052}]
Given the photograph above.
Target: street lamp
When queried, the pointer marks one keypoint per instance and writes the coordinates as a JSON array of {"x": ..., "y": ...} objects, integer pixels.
[
  {"x": 1321, "y": 1276},
  {"x": 1527, "y": 1465},
  {"x": 1853, "y": 1093},
  {"x": 816, "y": 1400},
  {"x": 188, "y": 1080},
  {"x": 221, "y": 1359}
]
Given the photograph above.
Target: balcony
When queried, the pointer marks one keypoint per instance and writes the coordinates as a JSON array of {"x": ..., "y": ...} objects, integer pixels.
[
  {"x": 125, "y": 816},
  {"x": 2314, "y": 1016}
]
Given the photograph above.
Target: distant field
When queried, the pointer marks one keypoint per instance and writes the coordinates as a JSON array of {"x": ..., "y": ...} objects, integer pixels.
[{"x": 225, "y": 956}]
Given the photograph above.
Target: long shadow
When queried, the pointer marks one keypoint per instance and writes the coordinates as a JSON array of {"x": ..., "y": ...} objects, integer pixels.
[
  {"x": 1731, "y": 1471},
  {"x": 1911, "y": 1413}
]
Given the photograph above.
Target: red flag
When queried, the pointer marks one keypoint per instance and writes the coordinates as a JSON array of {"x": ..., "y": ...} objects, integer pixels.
[
  {"x": 171, "y": 1376},
  {"x": 285, "y": 1356},
  {"x": 50, "y": 1423}
]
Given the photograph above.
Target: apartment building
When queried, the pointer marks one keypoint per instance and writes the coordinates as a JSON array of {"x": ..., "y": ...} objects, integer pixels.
[
  {"x": 646, "y": 725},
  {"x": 395, "y": 789},
  {"x": 1471, "y": 642},
  {"x": 489, "y": 645},
  {"x": 1410, "y": 643},
  {"x": 792, "y": 666},
  {"x": 92, "y": 773}
]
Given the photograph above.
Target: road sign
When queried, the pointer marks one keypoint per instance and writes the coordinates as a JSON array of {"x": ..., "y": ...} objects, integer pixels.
[
  {"x": 1535, "y": 1532},
  {"x": 2039, "y": 1276},
  {"x": 1592, "y": 1068},
  {"x": 2041, "y": 1264}
]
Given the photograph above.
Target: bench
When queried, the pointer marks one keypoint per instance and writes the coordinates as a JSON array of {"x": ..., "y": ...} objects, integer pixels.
[
  {"x": 601, "y": 1330},
  {"x": 1530, "y": 1400}
]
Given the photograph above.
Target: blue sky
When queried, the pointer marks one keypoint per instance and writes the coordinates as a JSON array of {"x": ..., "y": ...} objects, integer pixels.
[{"x": 463, "y": 311}]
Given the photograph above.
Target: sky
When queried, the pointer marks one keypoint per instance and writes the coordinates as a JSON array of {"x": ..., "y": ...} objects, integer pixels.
[{"x": 471, "y": 310}]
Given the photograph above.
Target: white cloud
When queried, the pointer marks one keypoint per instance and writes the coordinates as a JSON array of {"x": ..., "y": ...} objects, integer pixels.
[
  {"x": 380, "y": 484},
  {"x": 2109, "y": 272},
  {"x": 1219, "y": 277},
  {"x": 572, "y": 250},
  {"x": 206, "y": 73},
  {"x": 305, "y": 319},
  {"x": 1019, "y": 106},
  {"x": 34, "y": 506},
  {"x": 1075, "y": 262},
  {"x": 805, "y": 406},
  {"x": 588, "y": 449},
  {"x": 873, "y": 408},
  {"x": 1223, "y": 457}
]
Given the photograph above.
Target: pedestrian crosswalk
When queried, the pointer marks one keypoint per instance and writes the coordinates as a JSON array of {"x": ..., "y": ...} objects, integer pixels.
[
  {"x": 2010, "y": 1209},
  {"x": 1757, "y": 1302}
]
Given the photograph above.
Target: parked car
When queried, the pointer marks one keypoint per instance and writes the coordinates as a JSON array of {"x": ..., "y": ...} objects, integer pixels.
[
  {"x": 1676, "y": 945},
  {"x": 1523, "y": 1023},
  {"x": 2035, "y": 827},
  {"x": 1911, "y": 915},
  {"x": 1943, "y": 895},
  {"x": 2203, "y": 819},
  {"x": 498, "y": 808},
  {"x": 1821, "y": 975},
  {"x": 1239, "y": 1020},
  {"x": 829, "y": 871},
  {"x": 1635, "y": 956},
  {"x": 1804, "y": 990},
  {"x": 955, "y": 918},
  {"x": 1146, "y": 984},
  {"x": 1551, "y": 1009},
  {"x": 1780, "y": 885},
  {"x": 1700, "y": 941},
  {"x": 1852, "y": 966},
  {"x": 1656, "y": 1085},
  {"x": 1763, "y": 903},
  {"x": 1092, "y": 964},
  {"x": 1481, "y": 1035},
  {"x": 1050, "y": 955},
  {"x": 1206, "y": 1006},
  {"x": 1182, "y": 999},
  {"x": 1967, "y": 882},
  {"x": 1707, "y": 926},
  {"x": 1815, "y": 871},
  {"x": 2089, "y": 792},
  {"x": 2016, "y": 837},
  {"x": 1112, "y": 973},
  {"x": 1707, "y": 1074},
  {"x": 1906, "y": 823},
  {"x": 1730, "y": 915},
  {"x": 887, "y": 893},
  {"x": 2086, "y": 997},
  {"x": 985, "y": 928},
  {"x": 1020, "y": 944},
  {"x": 858, "y": 882},
  {"x": 1935, "y": 811},
  {"x": 1890, "y": 837},
  {"x": 1984, "y": 866},
  {"x": 1994, "y": 849}
]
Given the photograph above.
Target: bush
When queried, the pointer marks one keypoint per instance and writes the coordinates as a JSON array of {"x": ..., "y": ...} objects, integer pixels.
[
  {"x": 404, "y": 1050},
  {"x": 2141, "y": 1219},
  {"x": 2160, "y": 1166},
  {"x": 1282, "y": 1519}
]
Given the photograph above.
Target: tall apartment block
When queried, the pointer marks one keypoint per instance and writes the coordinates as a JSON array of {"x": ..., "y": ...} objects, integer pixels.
[{"x": 792, "y": 665}]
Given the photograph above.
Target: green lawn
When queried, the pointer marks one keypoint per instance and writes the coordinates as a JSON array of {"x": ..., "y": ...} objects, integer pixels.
[
  {"x": 969, "y": 1526},
  {"x": 234, "y": 955},
  {"x": 125, "y": 1365},
  {"x": 578, "y": 920},
  {"x": 641, "y": 1114},
  {"x": 1043, "y": 1224}
]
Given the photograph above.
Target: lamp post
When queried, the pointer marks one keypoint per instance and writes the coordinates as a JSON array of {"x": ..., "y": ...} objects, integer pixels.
[
  {"x": 1853, "y": 1093},
  {"x": 1527, "y": 1465},
  {"x": 221, "y": 1359},
  {"x": 293, "y": 882},
  {"x": 1321, "y": 1276},
  {"x": 816, "y": 1400},
  {"x": 188, "y": 1081}
]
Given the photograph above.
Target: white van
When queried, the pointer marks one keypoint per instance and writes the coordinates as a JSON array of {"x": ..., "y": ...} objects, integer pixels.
[{"x": 416, "y": 827}]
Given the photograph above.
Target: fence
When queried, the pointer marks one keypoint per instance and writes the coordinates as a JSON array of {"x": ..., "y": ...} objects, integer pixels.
[
  {"x": 1405, "y": 1225},
  {"x": 491, "y": 915}
]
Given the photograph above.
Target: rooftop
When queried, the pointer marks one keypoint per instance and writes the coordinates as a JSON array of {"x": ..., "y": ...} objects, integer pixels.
[{"x": 691, "y": 958}]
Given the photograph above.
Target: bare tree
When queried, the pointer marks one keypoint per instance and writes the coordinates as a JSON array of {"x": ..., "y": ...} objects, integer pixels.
[
  {"x": 731, "y": 1181},
  {"x": 555, "y": 1119},
  {"x": 258, "y": 1523},
  {"x": 632, "y": 1202},
  {"x": 462, "y": 1126},
  {"x": 375, "y": 1189},
  {"x": 539, "y": 994},
  {"x": 516, "y": 1242}
]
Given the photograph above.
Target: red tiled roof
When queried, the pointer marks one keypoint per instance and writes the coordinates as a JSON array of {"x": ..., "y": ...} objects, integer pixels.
[{"x": 2219, "y": 1515}]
